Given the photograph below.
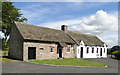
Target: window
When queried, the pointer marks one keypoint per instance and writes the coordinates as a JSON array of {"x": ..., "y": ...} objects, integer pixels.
[
  {"x": 87, "y": 49},
  {"x": 41, "y": 50},
  {"x": 97, "y": 50},
  {"x": 68, "y": 49},
  {"x": 51, "y": 49},
  {"x": 78, "y": 50},
  {"x": 92, "y": 50},
  {"x": 104, "y": 50},
  {"x": 101, "y": 49}
]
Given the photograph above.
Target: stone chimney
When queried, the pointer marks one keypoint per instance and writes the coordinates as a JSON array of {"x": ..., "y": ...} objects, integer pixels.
[{"x": 64, "y": 28}]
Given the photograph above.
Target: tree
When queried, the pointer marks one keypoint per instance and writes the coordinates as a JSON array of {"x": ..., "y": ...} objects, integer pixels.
[
  {"x": 115, "y": 50},
  {"x": 9, "y": 15},
  {"x": 4, "y": 47},
  {"x": 109, "y": 51}
]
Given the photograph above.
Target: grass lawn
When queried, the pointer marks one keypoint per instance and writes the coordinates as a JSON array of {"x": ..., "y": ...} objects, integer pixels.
[{"x": 69, "y": 62}]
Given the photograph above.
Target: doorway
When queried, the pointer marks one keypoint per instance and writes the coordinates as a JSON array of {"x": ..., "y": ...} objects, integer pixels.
[
  {"x": 101, "y": 52},
  {"x": 60, "y": 52},
  {"x": 31, "y": 53},
  {"x": 81, "y": 53}
]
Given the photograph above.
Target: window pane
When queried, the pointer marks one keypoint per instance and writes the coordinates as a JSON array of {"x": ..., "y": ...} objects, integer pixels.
[
  {"x": 87, "y": 49},
  {"x": 51, "y": 49},
  {"x": 92, "y": 50},
  {"x": 104, "y": 50},
  {"x": 97, "y": 50},
  {"x": 41, "y": 49},
  {"x": 68, "y": 49}
]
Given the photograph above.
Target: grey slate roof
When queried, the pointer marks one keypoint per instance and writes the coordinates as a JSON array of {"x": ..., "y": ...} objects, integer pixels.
[
  {"x": 90, "y": 40},
  {"x": 32, "y": 32}
]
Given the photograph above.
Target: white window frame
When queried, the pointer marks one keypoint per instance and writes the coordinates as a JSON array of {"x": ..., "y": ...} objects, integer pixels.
[
  {"x": 41, "y": 50},
  {"x": 51, "y": 47},
  {"x": 69, "y": 50},
  {"x": 92, "y": 50},
  {"x": 97, "y": 50},
  {"x": 87, "y": 50}
]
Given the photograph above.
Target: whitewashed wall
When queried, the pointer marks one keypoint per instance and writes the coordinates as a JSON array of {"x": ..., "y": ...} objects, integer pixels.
[{"x": 90, "y": 54}]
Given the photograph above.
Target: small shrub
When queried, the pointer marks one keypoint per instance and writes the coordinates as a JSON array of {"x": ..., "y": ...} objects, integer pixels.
[{"x": 116, "y": 52}]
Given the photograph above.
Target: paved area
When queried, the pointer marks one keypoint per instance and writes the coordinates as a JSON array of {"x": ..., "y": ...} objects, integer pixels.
[{"x": 24, "y": 67}]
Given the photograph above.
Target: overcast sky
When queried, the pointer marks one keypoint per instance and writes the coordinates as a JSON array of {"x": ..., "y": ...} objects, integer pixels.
[{"x": 98, "y": 18}]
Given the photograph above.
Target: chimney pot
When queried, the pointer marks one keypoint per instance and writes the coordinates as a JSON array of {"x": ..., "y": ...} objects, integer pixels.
[{"x": 64, "y": 28}]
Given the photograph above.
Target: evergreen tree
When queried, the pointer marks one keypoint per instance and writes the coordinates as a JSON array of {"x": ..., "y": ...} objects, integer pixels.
[{"x": 9, "y": 14}]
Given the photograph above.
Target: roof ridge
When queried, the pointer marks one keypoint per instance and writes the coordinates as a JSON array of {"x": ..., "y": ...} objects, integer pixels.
[
  {"x": 54, "y": 29},
  {"x": 37, "y": 26},
  {"x": 83, "y": 33},
  {"x": 55, "y": 35},
  {"x": 72, "y": 37},
  {"x": 38, "y": 33}
]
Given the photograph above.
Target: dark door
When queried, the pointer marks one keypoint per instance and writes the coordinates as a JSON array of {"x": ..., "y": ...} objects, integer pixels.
[
  {"x": 101, "y": 52},
  {"x": 60, "y": 52},
  {"x": 81, "y": 54},
  {"x": 31, "y": 53}
]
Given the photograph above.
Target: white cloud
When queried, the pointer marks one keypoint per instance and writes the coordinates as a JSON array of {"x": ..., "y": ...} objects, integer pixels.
[
  {"x": 37, "y": 12},
  {"x": 34, "y": 12},
  {"x": 59, "y": 23},
  {"x": 102, "y": 24},
  {"x": 95, "y": 24},
  {"x": 98, "y": 23},
  {"x": 111, "y": 43},
  {"x": 110, "y": 38},
  {"x": 1, "y": 35}
]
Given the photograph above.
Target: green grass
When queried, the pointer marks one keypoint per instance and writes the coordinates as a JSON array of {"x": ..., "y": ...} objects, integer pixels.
[{"x": 69, "y": 62}]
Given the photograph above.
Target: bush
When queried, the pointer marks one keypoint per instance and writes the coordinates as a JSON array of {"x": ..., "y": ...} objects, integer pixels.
[
  {"x": 109, "y": 51},
  {"x": 116, "y": 52},
  {"x": 117, "y": 55}
]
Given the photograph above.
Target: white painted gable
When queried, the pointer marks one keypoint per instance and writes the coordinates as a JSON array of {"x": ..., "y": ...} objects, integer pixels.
[
  {"x": 83, "y": 51},
  {"x": 82, "y": 43}
]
